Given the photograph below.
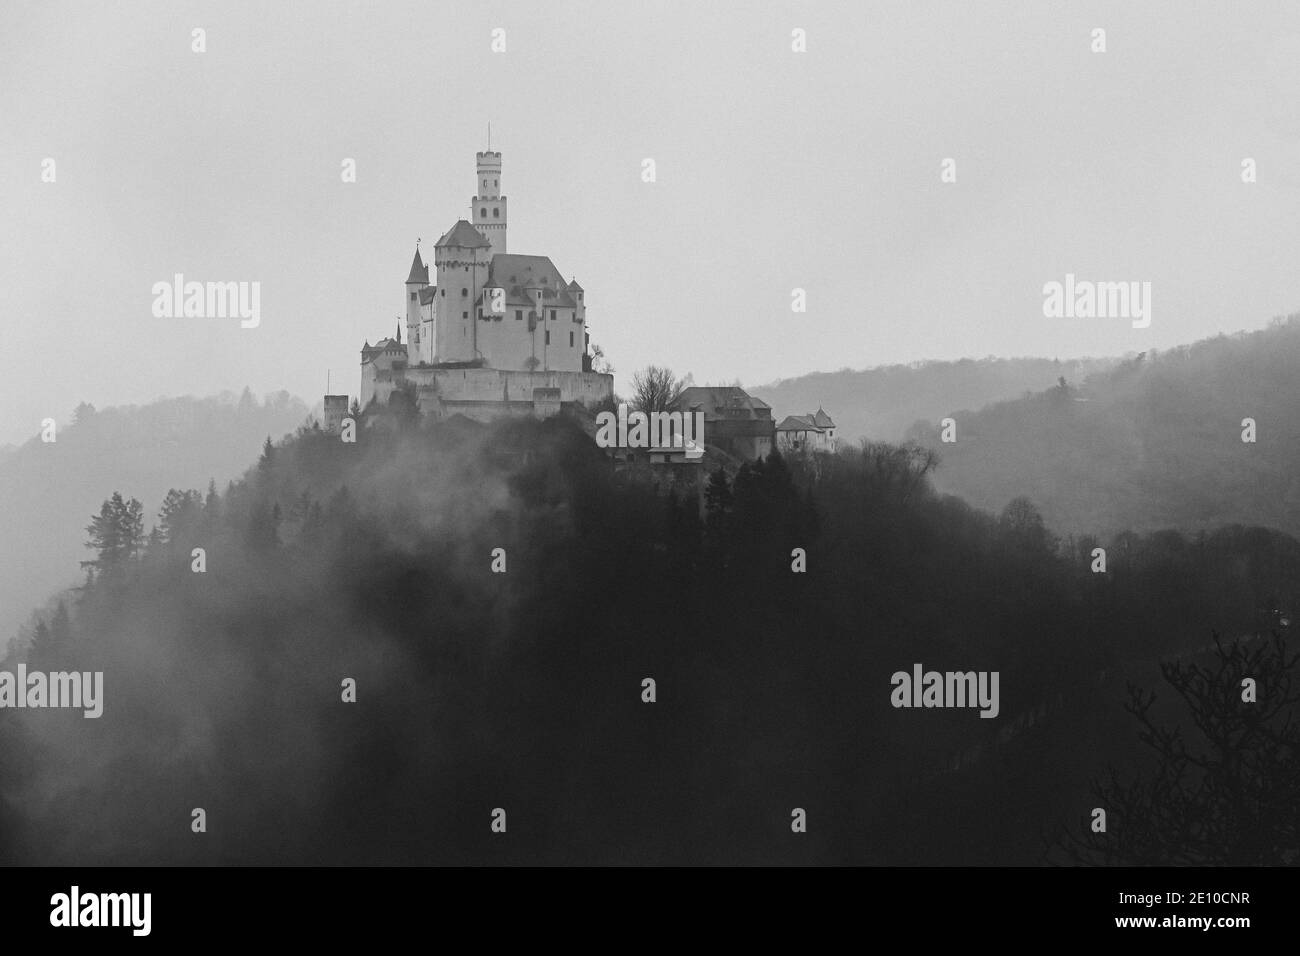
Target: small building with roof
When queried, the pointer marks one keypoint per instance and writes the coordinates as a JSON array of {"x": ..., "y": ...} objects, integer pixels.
[
  {"x": 734, "y": 421},
  {"x": 805, "y": 433}
]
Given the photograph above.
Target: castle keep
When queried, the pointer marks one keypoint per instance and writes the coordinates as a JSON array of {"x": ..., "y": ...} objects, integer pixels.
[{"x": 488, "y": 332}]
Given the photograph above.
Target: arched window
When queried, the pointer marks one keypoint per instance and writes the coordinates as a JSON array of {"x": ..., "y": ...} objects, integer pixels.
[
  {"x": 482, "y": 212},
  {"x": 496, "y": 213},
  {"x": 464, "y": 292}
]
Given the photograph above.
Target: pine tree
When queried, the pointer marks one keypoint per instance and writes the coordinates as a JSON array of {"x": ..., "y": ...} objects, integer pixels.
[
  {"x": 265, "y": 463},
  {"x": 116, "y": 533},
  {"x": 179, "y": 514},
  {"x": 211, "y": 508}
]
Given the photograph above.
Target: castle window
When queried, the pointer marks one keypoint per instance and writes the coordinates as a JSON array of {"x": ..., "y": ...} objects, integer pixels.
[
  {"x": 482, "y": 212},
  {"x": 464, "y": 315},
  {"x": 496, "y": 213},
  {"x": 548, "y": 336},
  {"x": 444, "y": 293},
  {"x": 494, "y": 183},
  {"x": 464, "y": 292},
  {"x": 413, "y": 296},
  {"x": 552, "y": 315},
  {"x": 519, "y": 315},
  {"x": 570, "y": 340}
]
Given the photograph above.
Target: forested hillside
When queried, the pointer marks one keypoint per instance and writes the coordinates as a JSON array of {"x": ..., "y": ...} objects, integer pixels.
[
  {"x": 883, "y": 403},
  {"x": 1154, "y": 443},
  {"x": 500, "y": 595},
  {"x": 50, "y": 489}
]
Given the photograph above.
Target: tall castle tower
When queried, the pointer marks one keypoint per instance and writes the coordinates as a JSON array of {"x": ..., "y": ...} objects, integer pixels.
[
  {"x": 415, "y": 283},
  {"x": 489, "y": 215},
  {"x": 461, "y": 259}
]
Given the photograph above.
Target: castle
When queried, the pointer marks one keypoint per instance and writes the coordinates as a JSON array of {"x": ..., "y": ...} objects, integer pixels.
[{"x": 490, "y": 333}]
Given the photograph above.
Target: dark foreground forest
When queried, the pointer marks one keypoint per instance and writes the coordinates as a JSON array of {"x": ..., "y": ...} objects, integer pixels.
[{"x": 523, "y": 689}]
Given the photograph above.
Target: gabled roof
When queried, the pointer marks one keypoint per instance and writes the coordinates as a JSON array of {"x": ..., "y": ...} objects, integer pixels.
[
  {"x": 419, "y": 271},
  {"x": 821, "y": 419},
  {"x": 368, "y": 351},
  {"x": 710, "y": 398},
  {"x": 462, "y": 235},
  {"x": 523, "y": 276},
  {"x": 798, "y": 423}
]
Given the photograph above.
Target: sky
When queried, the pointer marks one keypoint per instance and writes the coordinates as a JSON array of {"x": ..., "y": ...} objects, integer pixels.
[{"x": 775, "y": 170}]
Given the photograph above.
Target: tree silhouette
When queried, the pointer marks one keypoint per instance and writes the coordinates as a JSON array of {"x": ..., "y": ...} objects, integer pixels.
[
  {"x": 179, "y": 514},
  {"x": 116, "y": 533},
  {"x": 656, "y": 389},
  {"x": 1229, "y": 799}
]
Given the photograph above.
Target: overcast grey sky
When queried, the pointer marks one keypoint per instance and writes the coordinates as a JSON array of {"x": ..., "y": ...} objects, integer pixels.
[{"x": 775, "y": 170}]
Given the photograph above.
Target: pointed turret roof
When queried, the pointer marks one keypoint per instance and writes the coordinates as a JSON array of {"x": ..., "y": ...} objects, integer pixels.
[
  {"x": 419, "y": 271},
  {"x": 464, "y": 236},
  {"x": 821, "y": 419}
]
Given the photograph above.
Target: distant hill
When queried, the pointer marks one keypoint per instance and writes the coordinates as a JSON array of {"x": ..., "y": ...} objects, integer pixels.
[
  {"x": 1155, "y": 442},
  {"x": 50, "y": 490},
  {"x": 883, "y": 403}
]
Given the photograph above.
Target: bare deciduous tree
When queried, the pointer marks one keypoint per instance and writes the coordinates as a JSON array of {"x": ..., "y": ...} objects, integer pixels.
[
  {"x": 1231, "y": 800},
  {"x": 656, "y": 389}
]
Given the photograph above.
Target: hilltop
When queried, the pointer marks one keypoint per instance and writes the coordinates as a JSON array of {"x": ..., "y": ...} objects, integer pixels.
[{"x": 500, "y": 596}]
